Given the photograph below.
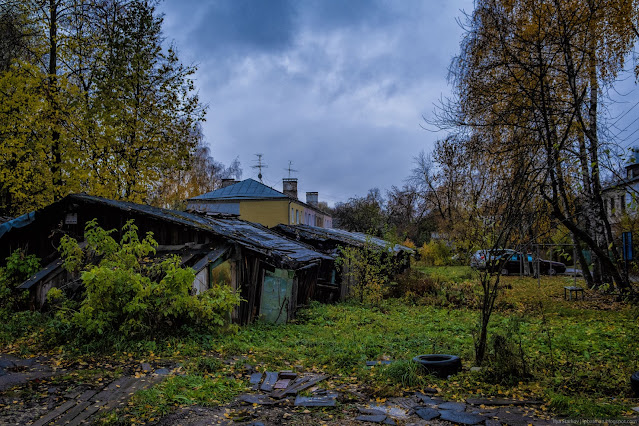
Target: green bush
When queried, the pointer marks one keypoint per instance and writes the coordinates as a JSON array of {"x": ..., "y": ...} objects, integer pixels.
[
  {"x": 20, "y": 324},
  {"x": 128, "y": 293},
  {"x": 413, "y": 284},
  {"x": 508, "y": 362},
  {"x": 19, "y": 268},
  {"x": 367, "y": 271},
  {"x": 415, "y": 287},
  {"x": 436, "y": 253}
]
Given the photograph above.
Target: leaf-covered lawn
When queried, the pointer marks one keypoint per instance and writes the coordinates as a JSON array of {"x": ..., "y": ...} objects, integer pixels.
[{"x": 578, "y": 355}]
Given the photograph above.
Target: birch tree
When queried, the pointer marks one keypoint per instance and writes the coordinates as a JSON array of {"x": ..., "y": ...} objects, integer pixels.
[{"x": 527, "y": 80}]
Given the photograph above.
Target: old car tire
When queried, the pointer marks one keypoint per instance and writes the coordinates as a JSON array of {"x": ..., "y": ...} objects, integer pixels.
[
  {"x": 439, "y": 365},
  {"x": 504, "y": 271},
  {"x": 634, "y": 383},
  {"x": 552, "y": 272}
]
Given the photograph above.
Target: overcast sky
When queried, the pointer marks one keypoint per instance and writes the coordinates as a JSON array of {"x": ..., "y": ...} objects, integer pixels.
[{"x": 337, "y": 87}]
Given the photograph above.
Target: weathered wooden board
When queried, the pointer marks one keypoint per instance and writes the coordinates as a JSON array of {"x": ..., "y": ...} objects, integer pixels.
[{"x": 269, "y": 381}]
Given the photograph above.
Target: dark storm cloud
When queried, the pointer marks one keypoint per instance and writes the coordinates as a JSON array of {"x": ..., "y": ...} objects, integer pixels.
[
  {"x": 338, "y": 87},
  {"x": 246, "y": 25},
  {"x": 330, "y": 14}
]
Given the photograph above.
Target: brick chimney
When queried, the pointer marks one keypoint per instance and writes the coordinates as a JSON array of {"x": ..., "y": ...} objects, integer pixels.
[
  {"x": 228, "y": 182},
  {"x": 312, "y": 198},
  {"x": 289, "y": 187}
]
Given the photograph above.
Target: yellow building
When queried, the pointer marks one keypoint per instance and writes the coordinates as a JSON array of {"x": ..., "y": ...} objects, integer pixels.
[{"x": 256, "y": 202}]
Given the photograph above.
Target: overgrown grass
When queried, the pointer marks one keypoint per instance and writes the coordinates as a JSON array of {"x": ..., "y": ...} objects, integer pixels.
[
  {"x": 192, "y": 389},
  {"x": 447, "y": 274},
  {"x": 577, "y": 355},
  {"x": 577, "y": 351}
]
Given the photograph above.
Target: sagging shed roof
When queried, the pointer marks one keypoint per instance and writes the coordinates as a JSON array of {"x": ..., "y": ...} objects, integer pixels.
[
  {"x": 336, "y": 236},
  {"x": 247, "y": 234}
]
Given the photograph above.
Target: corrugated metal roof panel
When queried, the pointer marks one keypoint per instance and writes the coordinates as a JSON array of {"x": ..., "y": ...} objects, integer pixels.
[{"x": 357, "y": 239}]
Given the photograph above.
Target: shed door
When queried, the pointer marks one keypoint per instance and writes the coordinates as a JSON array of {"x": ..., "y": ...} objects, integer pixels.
[{"x": 276, "y": 296}]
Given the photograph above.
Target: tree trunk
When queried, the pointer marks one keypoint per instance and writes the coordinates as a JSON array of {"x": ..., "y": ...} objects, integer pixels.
[
  {"x": 56, "y": 152},
  {"x": 582, "y": 261},
  {"x": 602, "y": 226}
]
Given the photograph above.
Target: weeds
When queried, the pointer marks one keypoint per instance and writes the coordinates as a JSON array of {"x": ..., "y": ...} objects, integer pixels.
[
  {"x": 407, "y": 374},
  {"x": 205, "y": 390},
  {"x": 575, "y": 355}
]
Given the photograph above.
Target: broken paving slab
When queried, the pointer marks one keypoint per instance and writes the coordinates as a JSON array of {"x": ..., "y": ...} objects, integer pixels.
[
  {"x": 460, "y": 417},
  {"x": 397, "y": 412},
  {"x": 328, "y": 400},
  {"x": 25, "y": 363},
  {"x": 453, "y": 406},
  {"x": 6, "y": 363},
  {"x": 355, "y": 393},
  {"x": 370, "y": 411},
  {"x": 255, "y": 380},
  {"x": 257, "y": 399},
  {"x": 377, "y": 418},
  {"x": 407, "y": 404},
  {"x": 282, "y": 384},
  {"x": 517, "y": 416},
  {"x": 288, "y": 374},
  {"x": 502, "y": 401},
  {"x": 428, "y": 400},
  {"x": 427, "y": 413}
]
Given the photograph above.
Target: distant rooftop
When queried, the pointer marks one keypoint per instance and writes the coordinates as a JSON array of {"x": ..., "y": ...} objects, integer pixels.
[
  {"x": 633, "y": 159},
  {"x": 247, "y": 189}
]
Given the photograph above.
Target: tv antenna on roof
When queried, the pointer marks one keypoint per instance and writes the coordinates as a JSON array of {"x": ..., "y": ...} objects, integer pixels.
[
  {"x": 259, "y": 166},
  {"x": 290, "y": 168}
]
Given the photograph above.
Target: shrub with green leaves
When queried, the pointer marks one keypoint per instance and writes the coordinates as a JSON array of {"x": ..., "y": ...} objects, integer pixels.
[
  {"x": 368, "y": 271},
  {"x": 19, "y": 267},
  {"x": 127, "y": 292},
  {"x": 436, "y": 253}
]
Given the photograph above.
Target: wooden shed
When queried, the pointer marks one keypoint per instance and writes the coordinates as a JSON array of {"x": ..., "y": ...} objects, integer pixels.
[
  {"x": 331, "y": 284},
  {"x": 273, "y": 274}
]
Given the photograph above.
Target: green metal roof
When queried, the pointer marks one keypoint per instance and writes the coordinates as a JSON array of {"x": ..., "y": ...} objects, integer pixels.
[{"x": 247, "y": 189}]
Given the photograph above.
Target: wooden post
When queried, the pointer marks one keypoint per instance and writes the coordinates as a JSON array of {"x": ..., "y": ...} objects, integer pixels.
[{"x": 538, "y": 270}]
